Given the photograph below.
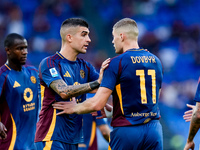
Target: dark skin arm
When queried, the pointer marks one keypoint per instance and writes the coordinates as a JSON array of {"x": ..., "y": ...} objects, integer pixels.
[{"x": 194, "y": 127}]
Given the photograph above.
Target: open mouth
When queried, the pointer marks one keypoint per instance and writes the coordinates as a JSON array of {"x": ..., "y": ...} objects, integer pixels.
[{"x": 85, "y": 46}]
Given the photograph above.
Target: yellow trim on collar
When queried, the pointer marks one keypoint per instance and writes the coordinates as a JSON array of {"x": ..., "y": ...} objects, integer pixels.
[
  {"x": 8, "y": 67},
  {"x": 59, "y": 55}
]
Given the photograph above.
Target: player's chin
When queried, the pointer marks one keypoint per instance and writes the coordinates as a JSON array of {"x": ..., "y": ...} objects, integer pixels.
[
  {"x": 117, "y": 52},
  {"x": 22, "y": 62},
  {"x": 83, "y": 51}
]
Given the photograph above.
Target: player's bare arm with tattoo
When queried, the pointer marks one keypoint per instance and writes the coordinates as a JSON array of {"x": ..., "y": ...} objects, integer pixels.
[
  {"x": 65, "y": 91},
  {"x": 68, "y": 91}
]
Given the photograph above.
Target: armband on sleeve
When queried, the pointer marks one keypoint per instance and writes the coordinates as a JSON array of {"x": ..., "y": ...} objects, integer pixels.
[{"x": 94, "y": 84}]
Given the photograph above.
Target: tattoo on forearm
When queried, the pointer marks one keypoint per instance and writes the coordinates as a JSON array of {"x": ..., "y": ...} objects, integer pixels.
[
  {"x": 59, "y": 86},
  {"x": 195, "y": 125}
]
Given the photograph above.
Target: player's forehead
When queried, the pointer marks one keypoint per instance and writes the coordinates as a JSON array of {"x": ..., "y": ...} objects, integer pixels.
[
  {"x": 114, "y": 32},
  {"x": 20, "y": 42}
]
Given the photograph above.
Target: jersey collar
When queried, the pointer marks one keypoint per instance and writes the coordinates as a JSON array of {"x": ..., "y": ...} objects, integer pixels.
[{"x": 136, "y": 49}]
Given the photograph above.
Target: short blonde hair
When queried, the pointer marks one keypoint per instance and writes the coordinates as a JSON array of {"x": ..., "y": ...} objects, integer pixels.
[{"x": 128, "y": 26}]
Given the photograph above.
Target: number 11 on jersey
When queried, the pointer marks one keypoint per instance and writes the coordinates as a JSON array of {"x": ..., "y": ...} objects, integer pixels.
[{"x": 151, "y": 73}]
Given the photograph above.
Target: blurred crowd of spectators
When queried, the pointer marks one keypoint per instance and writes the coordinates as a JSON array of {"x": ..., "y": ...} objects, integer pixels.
[{"x": 168, "y": 28}]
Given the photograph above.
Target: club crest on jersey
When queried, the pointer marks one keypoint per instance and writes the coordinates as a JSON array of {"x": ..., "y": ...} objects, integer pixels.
[
  {"x": 53, "y": 72},
  {"x": 82, "y": 73},
  {"x": 33, "y": 79}
]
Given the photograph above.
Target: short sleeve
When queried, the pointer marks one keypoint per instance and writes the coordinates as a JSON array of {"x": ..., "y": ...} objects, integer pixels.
[{"x": 47, "y": 72}]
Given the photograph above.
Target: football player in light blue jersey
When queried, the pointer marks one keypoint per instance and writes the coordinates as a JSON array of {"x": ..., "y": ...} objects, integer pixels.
[
  {"x": 134, "y": 79},
  {"x": 19, "y": 102},
  {"x": 63, "y": 76}
]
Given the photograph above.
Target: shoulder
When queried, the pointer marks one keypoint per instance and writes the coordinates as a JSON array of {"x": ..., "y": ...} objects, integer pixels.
[
  {"x": 115, "y": 60},
  {"x": 49, "y": 61},
  {"x": 153, "y": 55},
  {"x": 30, "y": 67},
  {"x": 81, "y": 60},
  {"x": 4, "y": 71},
  {"x": 155, "y": 59},
  {"x": 51, "y": 58},
  {"x": 44, "y": 61},
  {"x": 114, "y": 63},
  {"x": 84, "y": 62}
]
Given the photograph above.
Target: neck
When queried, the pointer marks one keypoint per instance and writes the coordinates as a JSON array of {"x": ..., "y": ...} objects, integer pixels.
[
  {"x": 68, "y": 53},
  {"x": 14, "y": 66},
  {"x": 130, "y": 45}
]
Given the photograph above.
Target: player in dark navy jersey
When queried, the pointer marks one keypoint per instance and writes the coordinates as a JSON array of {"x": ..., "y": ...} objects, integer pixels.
[
  {"x": 19, "y": 103},
  {"x": 63, "y": 76},
  {"x": 134, "y": 79}
]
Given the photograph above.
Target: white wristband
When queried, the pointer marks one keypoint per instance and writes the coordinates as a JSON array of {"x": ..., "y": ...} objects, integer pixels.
[{"x": 108, "y": 113}]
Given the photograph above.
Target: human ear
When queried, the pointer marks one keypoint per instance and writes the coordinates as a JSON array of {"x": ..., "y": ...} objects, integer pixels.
[
  {"x": 122, "y": 36},
  {"x": 7, "y": 50},
  {"x": 69, "y": 37}
]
